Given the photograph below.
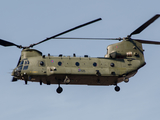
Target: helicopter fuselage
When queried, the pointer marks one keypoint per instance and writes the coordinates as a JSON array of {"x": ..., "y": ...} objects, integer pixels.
[
  {"x": 121, "y": 62},
  {"x": 115, "y": 67}
]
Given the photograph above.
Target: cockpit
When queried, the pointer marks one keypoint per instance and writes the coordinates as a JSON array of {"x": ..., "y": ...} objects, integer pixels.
[{"x": 23, "y": 65}]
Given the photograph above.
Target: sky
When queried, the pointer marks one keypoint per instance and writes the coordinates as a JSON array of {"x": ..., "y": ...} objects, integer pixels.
[{"x": 25, "y": 22}]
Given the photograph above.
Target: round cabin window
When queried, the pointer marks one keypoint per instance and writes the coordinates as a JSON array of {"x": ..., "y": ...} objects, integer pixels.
[
  {"x": 77, "y": 64},
  {"x": 59, "y": 63},
  {"x": 112, "y": 64},
  {"x": 94, "y": 64},
  {"x": 42, "y": 63}
]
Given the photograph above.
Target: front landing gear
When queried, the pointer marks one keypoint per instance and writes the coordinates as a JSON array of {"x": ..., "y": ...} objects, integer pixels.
[
  {"x": 59, "y": 89},
  {"x": 117, "y": 88}
]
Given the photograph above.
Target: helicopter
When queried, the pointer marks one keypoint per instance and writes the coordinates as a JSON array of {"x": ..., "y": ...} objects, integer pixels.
[{"x": 121, "y": 62}]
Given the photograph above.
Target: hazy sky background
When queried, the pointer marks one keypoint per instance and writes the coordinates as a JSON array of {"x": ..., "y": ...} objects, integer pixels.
[{"x": 29, "y": 21}]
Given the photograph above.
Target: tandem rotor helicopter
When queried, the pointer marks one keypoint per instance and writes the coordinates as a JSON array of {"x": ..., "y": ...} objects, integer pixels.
[{"x": 121, "y": 62}]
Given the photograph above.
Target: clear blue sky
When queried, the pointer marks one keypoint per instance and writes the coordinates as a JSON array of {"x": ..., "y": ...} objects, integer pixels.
[{"x": 29, "y": 21}]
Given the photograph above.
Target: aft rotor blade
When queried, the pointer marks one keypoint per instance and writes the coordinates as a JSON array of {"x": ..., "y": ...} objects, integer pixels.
[
  {"x": 88, "y": 38},
  {"x": 146, "y": 24},
  {"x": 66, "y": 31},
  {"x": 6, "y": 43},
  {"x": 148, "y": 42}
]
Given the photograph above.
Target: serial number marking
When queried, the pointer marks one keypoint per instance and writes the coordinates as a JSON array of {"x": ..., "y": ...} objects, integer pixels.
[{"x": 81, "y": 70}]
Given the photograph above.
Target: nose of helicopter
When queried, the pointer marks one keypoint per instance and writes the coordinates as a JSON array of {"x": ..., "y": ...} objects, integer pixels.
[{"x": 16, "y": 72}]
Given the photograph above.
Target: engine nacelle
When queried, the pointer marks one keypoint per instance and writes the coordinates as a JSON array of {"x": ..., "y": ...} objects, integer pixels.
[{"x": 125, "y": 49}]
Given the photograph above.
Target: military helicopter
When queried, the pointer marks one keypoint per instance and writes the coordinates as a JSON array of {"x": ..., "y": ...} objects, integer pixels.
[{"x": 121, "y": 62}]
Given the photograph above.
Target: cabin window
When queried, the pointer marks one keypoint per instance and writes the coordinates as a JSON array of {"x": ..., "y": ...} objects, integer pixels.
[
  {"x": 59, "y": 63},
  {"x": 41, "y": 63},
  {"x": 94, "y": 64},
  {"x": 77, "y": 64},
  {"x": 112, "y": 64}
]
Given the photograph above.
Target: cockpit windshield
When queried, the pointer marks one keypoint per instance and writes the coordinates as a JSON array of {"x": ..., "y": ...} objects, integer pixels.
[
  {"x": 23, "y": 64},
  {"x": 19, "y": 68},
  {"x": 24, "y": 61}
]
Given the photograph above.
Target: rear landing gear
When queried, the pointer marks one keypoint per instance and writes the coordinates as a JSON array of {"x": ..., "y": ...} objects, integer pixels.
[
  {"x": 59, "y": 89},
  {"x": 117, "y": 88}
]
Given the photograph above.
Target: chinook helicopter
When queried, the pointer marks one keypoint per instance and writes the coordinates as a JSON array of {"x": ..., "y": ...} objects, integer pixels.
[{"x": 121, "y": 62}]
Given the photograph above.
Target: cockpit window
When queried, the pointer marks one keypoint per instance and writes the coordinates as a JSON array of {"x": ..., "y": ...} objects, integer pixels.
[
  {"x": 25, "y": 67},
  {"x": 19, "y": 68},
  {"x": 26, "y": 62},
  {"x": 21, "y": 63}
]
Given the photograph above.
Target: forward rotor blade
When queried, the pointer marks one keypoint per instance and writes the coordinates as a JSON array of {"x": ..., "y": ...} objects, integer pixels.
[
  {"x": 146, "y": 24},
  {"x": 88, "y": 38},
  {"x": 6, "y": 43},
  {"x": 147, "y": 42},
  {"x": 66, "y": 31}
]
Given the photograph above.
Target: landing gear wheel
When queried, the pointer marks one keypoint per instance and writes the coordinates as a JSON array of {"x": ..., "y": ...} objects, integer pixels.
[
  {"x": 59, "y": 89},
  {"x": 117, "y": 88}
]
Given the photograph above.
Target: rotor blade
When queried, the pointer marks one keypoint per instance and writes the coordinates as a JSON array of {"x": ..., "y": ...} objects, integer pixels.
[
  {"x": 66, "y": 31},
  {"x": 146, "y": 24},
  {"x": 88, "y": 38},
  {"x": 147, "y": 41},
  {"x": 6, "y": 43}
]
